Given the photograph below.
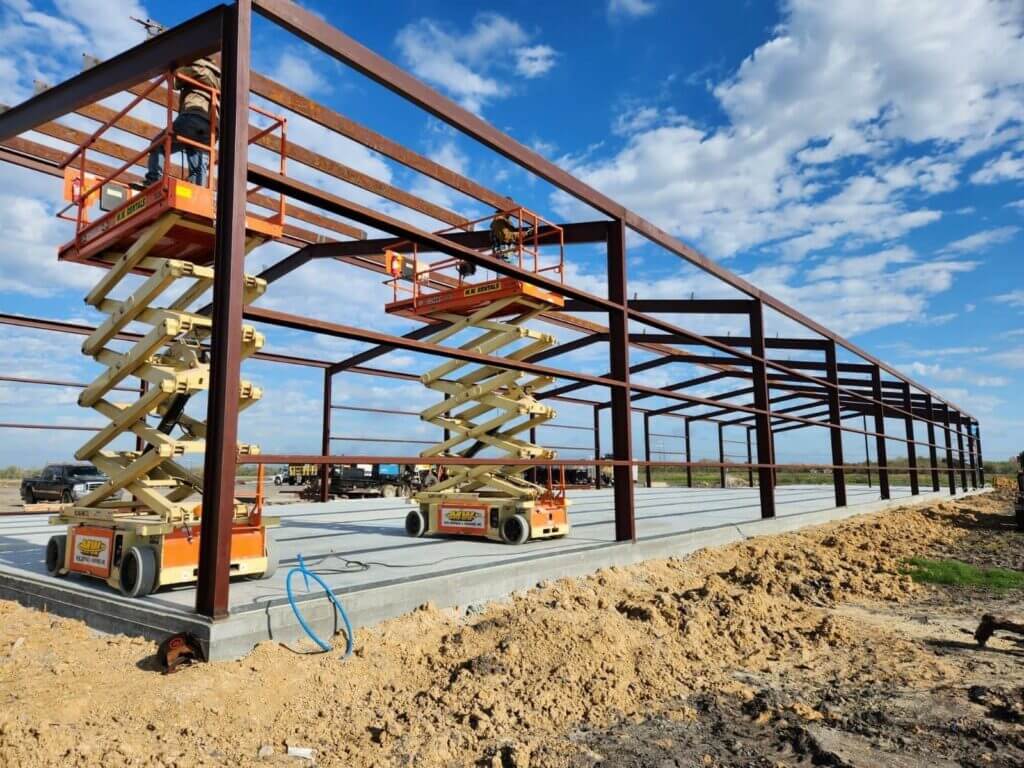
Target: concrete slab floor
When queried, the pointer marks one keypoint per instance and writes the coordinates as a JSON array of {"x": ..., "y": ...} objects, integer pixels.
[{"x": 360, "y": 548}]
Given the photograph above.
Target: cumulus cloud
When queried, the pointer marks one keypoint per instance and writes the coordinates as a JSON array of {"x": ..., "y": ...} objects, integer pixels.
[
  {"x": 807, "y": 156},
  {"x": 981, "y": 241},
  {"x": 472, "y": 66}
]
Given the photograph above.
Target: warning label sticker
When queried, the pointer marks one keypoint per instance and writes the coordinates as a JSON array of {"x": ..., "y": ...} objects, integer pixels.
[
  {"x": 91, "y": 551},
  {"x": 463, "y": 517}
]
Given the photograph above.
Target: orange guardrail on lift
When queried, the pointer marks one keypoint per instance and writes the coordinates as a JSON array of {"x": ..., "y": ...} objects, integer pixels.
[
  {"x": 121, "y": 198},
  {"x": 515, "y": 237}
]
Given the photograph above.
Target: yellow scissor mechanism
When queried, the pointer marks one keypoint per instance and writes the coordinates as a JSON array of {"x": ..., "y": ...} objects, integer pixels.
[
  {"x": 487, "y": 409},
  {"x": 154, "y": 533}
]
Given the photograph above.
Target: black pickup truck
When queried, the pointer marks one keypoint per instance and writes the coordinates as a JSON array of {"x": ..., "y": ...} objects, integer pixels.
[{"x": 62, "y": 482}]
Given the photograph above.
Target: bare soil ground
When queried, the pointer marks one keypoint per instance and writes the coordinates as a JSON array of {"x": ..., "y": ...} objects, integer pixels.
[{"x": 811, "y": 648}]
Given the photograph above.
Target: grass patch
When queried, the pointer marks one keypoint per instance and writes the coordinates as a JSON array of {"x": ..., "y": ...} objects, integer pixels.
[{"x": 957, "y": 574}]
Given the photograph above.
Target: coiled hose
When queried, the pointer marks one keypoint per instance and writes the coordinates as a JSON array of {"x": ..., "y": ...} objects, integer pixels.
[{"x": 307, "y": 575}]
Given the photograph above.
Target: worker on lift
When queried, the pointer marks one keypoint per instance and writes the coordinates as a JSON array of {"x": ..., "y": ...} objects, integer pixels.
[
  {"x": 192, "y": 122},
  {"x": 503, "y": 238}
]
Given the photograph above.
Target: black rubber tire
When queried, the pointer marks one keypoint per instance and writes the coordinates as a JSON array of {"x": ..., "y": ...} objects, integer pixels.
[
  {"x": 138, "y": 572},
  {"x": 277, "y": 481},
  {"x": 30, "y": 496},
  {"x": 415, "y": 524},
  {"x": 56, "y": 554},
  {"x": 272, "y": 560},
  {"x": 515, "y": 529},
  {"x": 65, "y": 497}
]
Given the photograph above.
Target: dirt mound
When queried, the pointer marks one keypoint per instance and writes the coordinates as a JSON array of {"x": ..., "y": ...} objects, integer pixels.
[{"x": 499, "y": 687}]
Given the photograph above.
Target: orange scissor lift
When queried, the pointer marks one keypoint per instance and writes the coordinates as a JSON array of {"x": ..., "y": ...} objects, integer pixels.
[
  {"x": 139, "y": 531},
  {"x": 486, "y": 408}
]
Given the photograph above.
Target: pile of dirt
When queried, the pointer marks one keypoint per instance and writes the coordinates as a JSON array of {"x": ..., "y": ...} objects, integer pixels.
[{"x": 512, "y": 684}]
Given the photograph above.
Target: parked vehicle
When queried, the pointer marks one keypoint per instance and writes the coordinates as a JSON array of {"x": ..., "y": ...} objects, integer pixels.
[
  {"x": 299, "y": 474},
  {"x": 66, "y": 483},
  {"x": 363, "y": 481}
]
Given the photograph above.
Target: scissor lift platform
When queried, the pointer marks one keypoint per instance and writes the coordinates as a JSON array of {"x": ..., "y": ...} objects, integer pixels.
[
  {"x": 189, "y": 238},
  {"x": 467, "y": 299}
]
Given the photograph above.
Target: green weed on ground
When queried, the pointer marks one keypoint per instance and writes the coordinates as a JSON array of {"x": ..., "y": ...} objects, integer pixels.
[{"x": 958, "y": 574}]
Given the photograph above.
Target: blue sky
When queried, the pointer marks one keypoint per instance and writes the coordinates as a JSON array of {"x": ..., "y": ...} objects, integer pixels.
[{"x": 864, "y": 165}]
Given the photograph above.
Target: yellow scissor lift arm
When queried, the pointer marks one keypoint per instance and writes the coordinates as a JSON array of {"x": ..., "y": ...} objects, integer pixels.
[
  {"x": 140, "y": 529},
  {"x": 487, "y": 407}
]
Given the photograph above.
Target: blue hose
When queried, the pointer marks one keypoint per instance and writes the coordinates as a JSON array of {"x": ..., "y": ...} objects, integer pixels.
[{"x": 307, "y": 575}]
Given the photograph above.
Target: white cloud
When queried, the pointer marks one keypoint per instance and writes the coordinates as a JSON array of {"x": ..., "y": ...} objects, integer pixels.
[
  {"x": 804, "y": 158},
  {"x": 474, "y": 66},
  {"x": 1006, "y": 167},
  {"x": 1011, "y": 358},
  {"x": 956, "y": 374},
  {"x": 631, "y": 7},
  {"x": 298, "y": 74},
  {"x": 535, "y": 60},
  {"x": 1013, "y": 298},
  {"x": 106, "y": 23},
  {"x": 981, "y": 241}
]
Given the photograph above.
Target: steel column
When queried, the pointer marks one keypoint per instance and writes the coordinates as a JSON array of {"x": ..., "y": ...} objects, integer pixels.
[
  {"x": 835, "y": 416},
  {"x": 981, "y": 459},
  {"x": 950, "y": 469},
  {"x": 721, "y": 455},
  {"x": 225, "y": 344},
  {"x": 970, "y": 454},
  {"x": 958, "y": 420},
  {"x": 867, "y": 446},
  {"x": 686, "y": 437},
  {"x": 762, "y": 420},
  {"x": 915, "y": 486},
  {"x": 325, "y": 442},
  {"x": 647, "y": 448},
  {"x": 597, "y": 446},
  {"x": 618, "y": 345},
  {"x": 750, "y": 461},
  {"x": 880, "y": 449},
  {"x": 933, "y": 453}
]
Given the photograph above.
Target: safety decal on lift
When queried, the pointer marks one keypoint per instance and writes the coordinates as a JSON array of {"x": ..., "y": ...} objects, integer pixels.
[
  {"x": 90, "y": 552},
  {"x": 131, "y": 209},
  {"x": 490, "y": 287},
  {"x": 462, "y": 518}
]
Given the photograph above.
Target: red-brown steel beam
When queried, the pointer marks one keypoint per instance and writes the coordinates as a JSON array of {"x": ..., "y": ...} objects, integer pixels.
[
  {"x": 621, "y": 412},
  {"x": 765, "y": 442},
  {"x": 307, "y": 193},
  {"x": 325, "y": 437},
  {"x": 915, "y": 486},
  {"x": 220, "y": 463},
  {"x": 835, "y": 417},
  {"x": 933, "y": 456},
  {"x": 332, "y": 41},
  {"x": 881, "y": 454}
]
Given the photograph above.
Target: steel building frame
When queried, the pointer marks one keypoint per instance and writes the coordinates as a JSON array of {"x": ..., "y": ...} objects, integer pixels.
[{"x": 825, "y": 392}]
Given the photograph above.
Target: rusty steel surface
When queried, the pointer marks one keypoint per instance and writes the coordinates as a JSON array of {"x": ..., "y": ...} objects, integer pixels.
[
  {"x": 826, "y": 391},
  {"x": 317, "y": 32},
  {"x": 220, "y": 464}
]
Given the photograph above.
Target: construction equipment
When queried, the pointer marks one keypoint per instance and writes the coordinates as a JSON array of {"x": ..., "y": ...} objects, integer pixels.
[
  {"x": 165, "y": 233},
  {"x": 487, "y": 406}
]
